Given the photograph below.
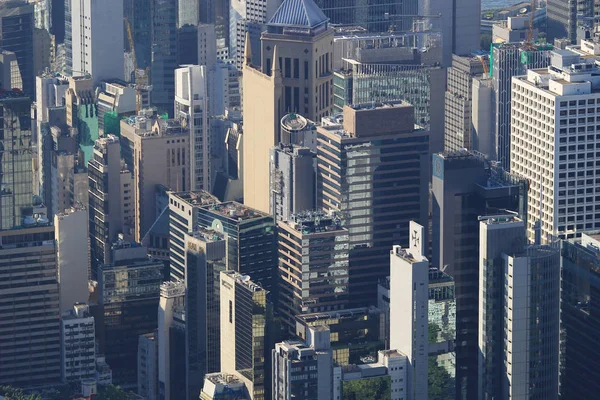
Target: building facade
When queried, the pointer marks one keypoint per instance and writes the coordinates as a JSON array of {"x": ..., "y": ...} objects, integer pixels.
[{"x": 78, "y": 354}]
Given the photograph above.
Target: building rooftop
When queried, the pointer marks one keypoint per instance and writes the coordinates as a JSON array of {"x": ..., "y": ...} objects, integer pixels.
[
  {"x": 351, "y": 313},
  {"x": 314, "y": 222},
  {"x": 172, "y": 289},
  {"x": 235, "y": 210},
  {"x": 244, "y": 280},
  {"x": 298, "y": 14},
  {"x": 207, "y": 235},
  {"x": 200, "y": 198},
  {"x": 508, "y": 218}
]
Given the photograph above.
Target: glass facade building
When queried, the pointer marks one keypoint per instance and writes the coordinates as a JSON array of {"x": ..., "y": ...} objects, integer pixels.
[
  {"x": 375, "y": 15},
  {"x": 16, "y": 28},
  {"x": 163, "y": 54}
]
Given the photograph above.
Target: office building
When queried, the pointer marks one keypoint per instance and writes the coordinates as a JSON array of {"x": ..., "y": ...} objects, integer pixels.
[
  {"x": 458, "y": 101},
  {"x": 163, "y": 35},
  {"x": 246, "y": 319},
  {"x": 207, "y": 45},
  {"x": 552, "y": 141},
  {"x": 72, "y": 256},
  {"x": 96, "y": 31},
  {"x": 313, "y": 265},
  {"x": 356, "y": 333},
  {"x": 251, "y": 240},
  {"x": 561, "y": 20},
  {"x": 508, "y": 60},
  {"x": 386, "y": 378},
  {"x": 224, "y": 386},
  {"x": 17, "y": 27},
  {"x": 191, "y": 109},
  {"x": 139, "y": 16},
  {"x": 499, "y": 235},
  {"x": 108, "y": 183},
  {"x": 531, "y": 339},
  {"x": 183, "y": 218},
  {"x": 116, "y": 100},
  {"x": 80, "y": 103},
  {"x": 127, "y": 304},
  {"x": 161, "y": 154},
  {"x": 290, "y": 85},
  {"x": 376, "y": 16},
  {"x": 147, "y": 383},
  {"x": 68, "y": 182},
  {"x": 460, "y": 24},
  {"x": 304, "y": 370},
  {"x": 29, "y": 339},
  {"x": 78, "y": 344},
  {"x": 513, "y": 30},
  {"x": 483, "y": 119},
  {"x": 379, "y": 164},
  {"x": 579, "y": 316},
  {"x": 171, "y": 341},
  {"x": 205, "y": 260},
  {"x": 465, "y": 187},
  {"x": 409, "y": 296},
  {"x": 16, "y": 163},
  {"x": 292, "y": 180},
  {"x": 224, "y": 92}
]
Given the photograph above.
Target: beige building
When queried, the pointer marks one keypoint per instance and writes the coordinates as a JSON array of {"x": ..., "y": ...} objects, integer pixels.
[
  {"x": 160, "y": 155},
  {"x": 296, "y": 76}
]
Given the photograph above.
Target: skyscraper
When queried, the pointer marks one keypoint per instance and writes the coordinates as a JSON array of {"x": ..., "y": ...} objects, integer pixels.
[
  {"x": 97, "y": 30},
  {"x": 29, "y": 330},
  {"x": 245, "y": 341},
  {"x": 458, "y": 124},
  {"x": 364, "y": 164},
  {"x": 561, "y": 16},
  {"x": 16, "y": 28},
  {"x": 313, "y": 265},
  {"x": 191, "y": 108},
  {"x": 78, "y": 355},
  {"x": 376, "y": 16},
  {"x": 409, "y": 296},
  {"x": 499, "y": 235},
  {"x": 553, "y": 137},
  {"x": 464, "y": 188},
  {"x": 163, "y": 54},
  {"x": 286, "y": 82}
]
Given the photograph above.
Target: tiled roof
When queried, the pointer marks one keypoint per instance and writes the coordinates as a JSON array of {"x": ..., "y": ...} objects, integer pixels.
[{"x": 298, "y": 13}]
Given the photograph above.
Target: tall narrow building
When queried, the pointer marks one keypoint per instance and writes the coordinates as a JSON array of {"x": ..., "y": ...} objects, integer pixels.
[
  {"x": 296, "y": 75},
  {"x": 409, "y": 297},
  {"x": 163, "y": 54},
  {"x": 561, "y": 19},
  {"x": 16, "y": 30},
  {"x": 365, "y": 165}
]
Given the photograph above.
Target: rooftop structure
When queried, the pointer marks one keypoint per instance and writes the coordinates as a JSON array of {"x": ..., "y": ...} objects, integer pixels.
[
  {"x": 199, "y": 199},
  {"x": 298, "y": 14},
  {"x": 235, "y": 210}
]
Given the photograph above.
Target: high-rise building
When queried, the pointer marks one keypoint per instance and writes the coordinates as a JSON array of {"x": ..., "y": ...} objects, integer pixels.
[
  {"x": 171, "y": 341},
  {"x": 304, "y": 370},
  {"x": 191, "y": 108},
  {"x": 313, "y": 265},
  {"x": 292, "y": 180},
  {"x": 205, "y": 260},
  {"x": 16, "y": 180},
  {"x": 224, "y": 90},
  {"x": 561, "y": 20},
  {"x": 458, "y": 124},
  {"x": 483, "y": 119},
  {"x": 375, "y": 16},
  {"x": 246, "y": 319},
  {"x": 465, "y": 187},
  {"x": 160, "y": 151},
  {"x": 97, "y": 30},
  {"x": 531, "y": 338},
  {"x": 72, "y": 256},
  {"x": 499, "y": 235},
  {"x": 285, "y": 83},
  {"x": 364, "y": 164},
  {"x": 107, "y": 185},
  {"x": 29, "y": 306},
  {"x": 508, "y": 60},
  {"x": 16, "y": 27},
  {"x": 127, "y": 304},
  {"x": 552, "y": 141},
  {"x": 147, "y": 383},
  {"x": 116, "y": 100},
  {"x": 459, "y": 22},
  {"x": 409, "y": 297},
  {"x": 138, "y": 14},
  {"x": 163, "y": 54},
  {"x": 580, "y": 316},
  {"x": 251, "y": 240},
  {"x": 78, "y": 354},
  {"x": 207, "y": 45}
]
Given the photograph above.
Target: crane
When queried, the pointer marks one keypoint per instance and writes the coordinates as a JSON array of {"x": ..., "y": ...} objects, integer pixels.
[{"x": 141, "y": 75}]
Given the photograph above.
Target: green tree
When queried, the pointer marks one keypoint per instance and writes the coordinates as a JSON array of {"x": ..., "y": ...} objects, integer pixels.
[
  {"x": 440, "y": 383},
  {"x": 11, "y": 393},
  {"x": 367, "y": 389},
  {"x": 111, "y": 392}
]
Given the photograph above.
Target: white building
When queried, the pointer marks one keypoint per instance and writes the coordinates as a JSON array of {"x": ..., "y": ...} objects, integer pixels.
[
  {"x": 554, "y": 139},
  {"x": 304, "y": 370},
  {"x": 221, "y": 385},
  {"x": 409, "y": 277},
  {"x": 224, "y": 88},
  {"x": 73, "y": 256},
  {"x": 98, "y": 43},
  {"x": 191, "y": 108},
  {"x": 78, "y": 344},
  {"x": 391, "y": 365}
]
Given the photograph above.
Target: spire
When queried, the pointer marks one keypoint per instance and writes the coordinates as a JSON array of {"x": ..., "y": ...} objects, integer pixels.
[
  {"x": 275, "y": 66},
  {"x": 248, "y": 50}
]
